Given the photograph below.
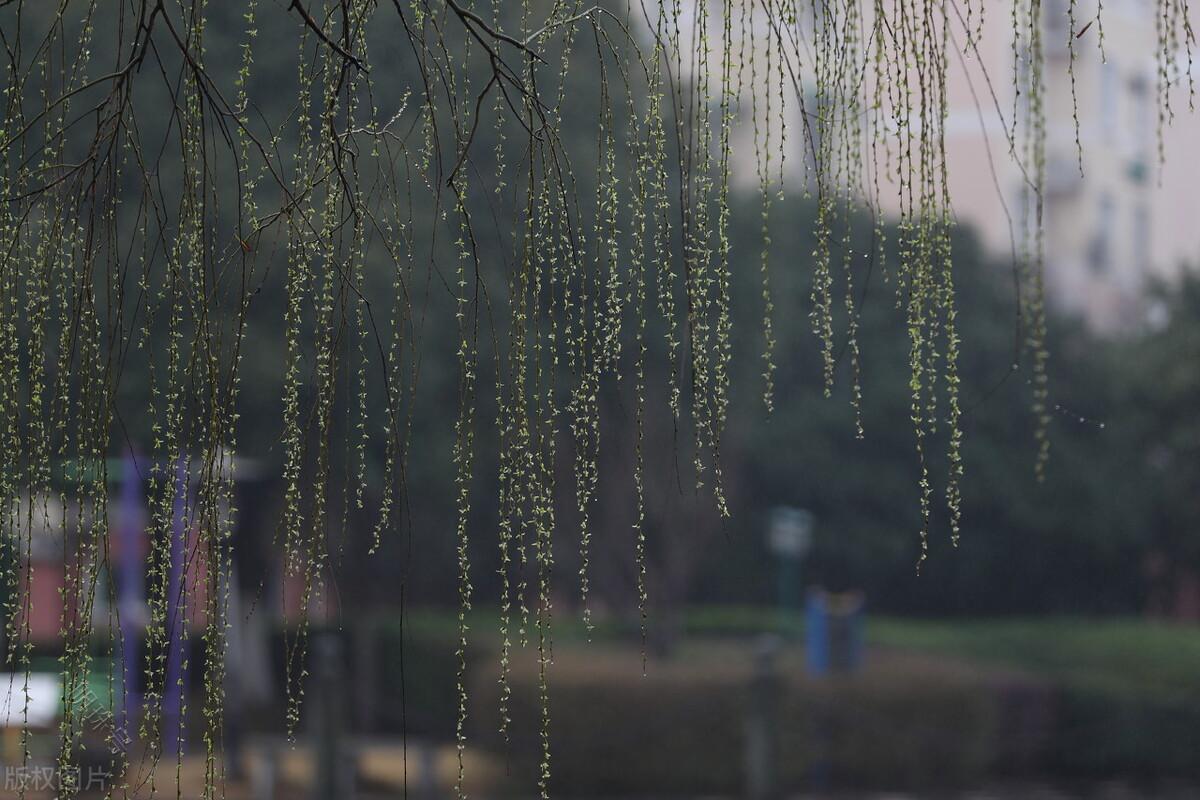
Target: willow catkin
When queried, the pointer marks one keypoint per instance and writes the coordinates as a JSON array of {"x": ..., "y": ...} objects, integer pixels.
[
  {"x": 1030, "y": 82},
  {"x": 762, "y": 156}
]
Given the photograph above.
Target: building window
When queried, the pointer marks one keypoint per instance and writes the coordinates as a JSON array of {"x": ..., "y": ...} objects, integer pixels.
[
  {"x": 1141, "y": 238},
  {"x": 1109, "y": 97},
  {"x": 1100, "y": 251},
  {"x": 1142, "y": 120},
  {"x": 1057, "y": 17}
]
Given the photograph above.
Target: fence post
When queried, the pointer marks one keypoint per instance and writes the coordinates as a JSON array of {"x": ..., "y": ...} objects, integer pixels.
[
  {"x": 330, "y": 782},
  {"x": 762, "y": 730}
]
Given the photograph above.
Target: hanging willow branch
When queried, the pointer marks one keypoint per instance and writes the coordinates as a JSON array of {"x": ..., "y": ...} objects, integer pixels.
[{"x": 423, "y": 153}]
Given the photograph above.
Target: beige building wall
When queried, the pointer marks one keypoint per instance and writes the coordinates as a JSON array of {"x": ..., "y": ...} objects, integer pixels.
[
  {"x": 1121, "y": 221},
  {"x": 1108, "y": 231}
]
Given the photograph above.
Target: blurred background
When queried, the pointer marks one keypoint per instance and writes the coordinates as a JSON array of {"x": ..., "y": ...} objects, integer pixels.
[{"x": 794, "y": 649}]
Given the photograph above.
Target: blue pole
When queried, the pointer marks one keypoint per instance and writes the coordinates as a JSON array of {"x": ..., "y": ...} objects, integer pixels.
[{"x": 816, "y": 633}]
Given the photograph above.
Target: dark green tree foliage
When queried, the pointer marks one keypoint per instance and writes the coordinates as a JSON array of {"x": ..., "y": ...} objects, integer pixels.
[
  {"x": 1069, "y": 543},
  {"x": 1162, "y": 393}
]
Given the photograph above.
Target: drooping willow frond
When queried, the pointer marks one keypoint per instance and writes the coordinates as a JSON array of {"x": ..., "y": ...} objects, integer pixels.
[{"x": 187, "y": 203}]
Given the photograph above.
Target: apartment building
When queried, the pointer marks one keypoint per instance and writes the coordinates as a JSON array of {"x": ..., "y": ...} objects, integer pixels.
[{"x": 1115, "y": 216}]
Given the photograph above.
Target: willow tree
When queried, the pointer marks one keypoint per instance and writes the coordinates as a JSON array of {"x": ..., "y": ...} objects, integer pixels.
[{"x": 147, "y": 197}]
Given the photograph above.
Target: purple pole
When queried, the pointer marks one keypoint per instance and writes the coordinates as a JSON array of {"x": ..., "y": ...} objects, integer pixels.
[
  {"x": 173, "y": 691},
  {"x": 131, "y": 531}
]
